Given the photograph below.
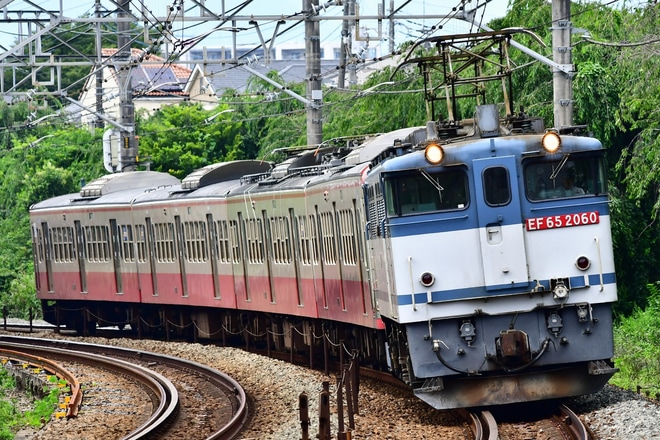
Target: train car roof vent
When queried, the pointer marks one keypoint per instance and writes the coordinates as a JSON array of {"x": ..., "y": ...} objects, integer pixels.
[
  {"x": 127, "y": 180},
  {"x": 223, "y": 171}
]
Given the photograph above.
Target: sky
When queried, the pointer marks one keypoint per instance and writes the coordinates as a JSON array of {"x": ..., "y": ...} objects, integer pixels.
[{"x": 408, "y": 29}]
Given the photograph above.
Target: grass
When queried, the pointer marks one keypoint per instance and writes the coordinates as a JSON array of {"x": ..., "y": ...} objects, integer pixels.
[{"x": 11, "y": 420}]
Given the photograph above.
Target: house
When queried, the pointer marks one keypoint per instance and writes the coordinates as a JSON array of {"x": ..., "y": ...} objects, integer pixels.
[{"x": 155, "y": 83}]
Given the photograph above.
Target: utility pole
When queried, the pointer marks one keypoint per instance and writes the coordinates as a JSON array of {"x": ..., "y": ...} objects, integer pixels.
[
  {"x": 313, "y": 73},
  {"x": 98, "y": 66},
  {"x": 562, "y": 79},
  {"x": 128, "y": 144}
]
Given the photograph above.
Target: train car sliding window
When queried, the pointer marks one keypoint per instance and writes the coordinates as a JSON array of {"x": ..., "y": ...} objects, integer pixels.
[
  {"x": 328, "y": 237},
  {"x": 235, "y": 242},
  {"x": 194, "y": 235},
  {"x": 62, "y": 240},
  {"x": 304, "y": 242},
  {"x": 347, "y": 236},
  {"x": 224, "y": 247},
  {"x": 164, "y": 240},
  {"x": 280, "y": 234},
  {"x": 254, "y": 233},
  {"x": 96, "y": 243},
  {"x": 127, "y": 243},
  {"x": 497, "y": 189},
  {"x": 141, "y": 243}
]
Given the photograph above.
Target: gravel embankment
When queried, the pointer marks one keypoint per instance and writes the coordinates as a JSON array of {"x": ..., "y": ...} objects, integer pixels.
[{"x": 385, "y": 413}]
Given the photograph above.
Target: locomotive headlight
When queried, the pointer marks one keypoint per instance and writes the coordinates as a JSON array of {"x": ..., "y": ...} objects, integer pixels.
[
  {"x": 560, "y": 292},
  {"x": 427, "y": 279},
  {"x": 551, "y": 142},
  {"x": 434, "y": 154}
]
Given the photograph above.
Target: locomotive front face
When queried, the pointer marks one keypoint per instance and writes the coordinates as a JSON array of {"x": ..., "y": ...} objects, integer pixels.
[{"x": 498, "y": 264}]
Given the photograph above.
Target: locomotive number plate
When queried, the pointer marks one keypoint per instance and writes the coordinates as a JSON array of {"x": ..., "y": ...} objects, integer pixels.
[{"x": 562, "y": 221}]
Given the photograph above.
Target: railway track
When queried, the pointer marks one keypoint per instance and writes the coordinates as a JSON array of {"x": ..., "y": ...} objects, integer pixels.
[
  {"x": 204, "y": 403},
  {"x": 556, "y": 422}
]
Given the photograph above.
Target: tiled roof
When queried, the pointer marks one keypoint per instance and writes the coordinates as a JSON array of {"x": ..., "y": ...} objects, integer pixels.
[
  {"x": 154, "y": 76},
  {"x": 236, "y": 78}
]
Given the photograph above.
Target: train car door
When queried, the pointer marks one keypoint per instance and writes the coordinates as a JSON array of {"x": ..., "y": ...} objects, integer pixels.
[
  {"x": 116, "y": 255},
  {"x": 80, "y": 245},
  {"x": 500, "y": 225},
  {"x": 48, "y": 254}
]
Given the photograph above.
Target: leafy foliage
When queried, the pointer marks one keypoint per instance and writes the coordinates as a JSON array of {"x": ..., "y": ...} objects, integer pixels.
[
  {"x": 11, "y": 420},
  {"x": 637, "y": 351}
]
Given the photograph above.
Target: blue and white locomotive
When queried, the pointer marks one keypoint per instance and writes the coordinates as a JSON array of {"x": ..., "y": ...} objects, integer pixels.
[
  {"x": 491, "y": 261},
  {"x": 484, "y": 275}
]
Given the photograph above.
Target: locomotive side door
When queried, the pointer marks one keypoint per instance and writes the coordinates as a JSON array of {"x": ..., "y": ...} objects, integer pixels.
[{"x": 500, "y": 223}]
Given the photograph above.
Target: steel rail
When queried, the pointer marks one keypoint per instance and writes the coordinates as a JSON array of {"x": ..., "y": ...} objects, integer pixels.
[
  {"x": 574, "y": 424},
  {"x": 216, "y": 378},
  {"x": 54, "y": 368},
  {"x": 160, "y": 386}
]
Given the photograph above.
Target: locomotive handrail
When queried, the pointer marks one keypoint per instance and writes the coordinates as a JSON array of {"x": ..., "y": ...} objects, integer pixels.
[{"x": 600, "y": 264}]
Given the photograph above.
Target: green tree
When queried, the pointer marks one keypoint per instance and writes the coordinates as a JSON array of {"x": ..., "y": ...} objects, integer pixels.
[{"x": 178, "y": 140}]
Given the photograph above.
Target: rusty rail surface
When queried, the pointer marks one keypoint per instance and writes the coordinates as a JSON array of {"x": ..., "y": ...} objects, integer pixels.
[
  {"x": 214, "y": 377},
  {"x": 52, "y": 367}
]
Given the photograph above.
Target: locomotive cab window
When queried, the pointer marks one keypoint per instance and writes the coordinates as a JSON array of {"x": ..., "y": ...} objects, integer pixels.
[
  {"x": 497, "y": 189},
  {"x": 569, "y": 176},
  {"x": 423, "y": 191}
]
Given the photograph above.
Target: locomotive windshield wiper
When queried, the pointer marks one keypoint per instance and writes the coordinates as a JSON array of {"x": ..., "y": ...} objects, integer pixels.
[
  {"x": 554, "y": 174},
  {"x": 433, "y": 182}
]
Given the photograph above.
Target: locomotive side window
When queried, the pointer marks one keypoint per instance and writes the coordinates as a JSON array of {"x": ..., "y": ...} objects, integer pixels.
[
  {"x": 194, "y": 234},
  {"x": 96, "y": 241},
  {"x": 421, "y": 191},
  {"x": 281, "y": 239},
  {"x": 569, "y": 176},
  {"x": 497, "y": 189},
  {"x": 164, "y": 239},
  {"x": 62, "y": 242}
]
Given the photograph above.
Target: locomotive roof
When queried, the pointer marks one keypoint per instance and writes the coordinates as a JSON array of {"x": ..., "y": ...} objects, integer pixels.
[{"x": 466, "y": 151}]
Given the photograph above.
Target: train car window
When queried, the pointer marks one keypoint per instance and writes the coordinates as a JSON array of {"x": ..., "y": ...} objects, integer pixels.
[
  {"x": 38, "y": 239},
  {"x": 305, "y": 240},
  {"x": 254, "y": 233},
  {"x": 194, "y": 235},
  {"x": 421, "y": 191},
  {"x": 223, "y": 245},
  {"x": 497, "y": 188},
  {"x": 569, "y": 176},
  {"x": 141, "y": 243},
  {"x": 314, "y": 235},
  {"x": 96, "y": 242},
  {"x": 62, "y": 240},
  {"x": 280, "y": 234},
  {"x": 235, "y": 242},
  {"x": 127, "y": 247},
  {"x": 347, "y": 237},
  {"x": 328, "y": 238},
  {"x": 164, "y": 240}
]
